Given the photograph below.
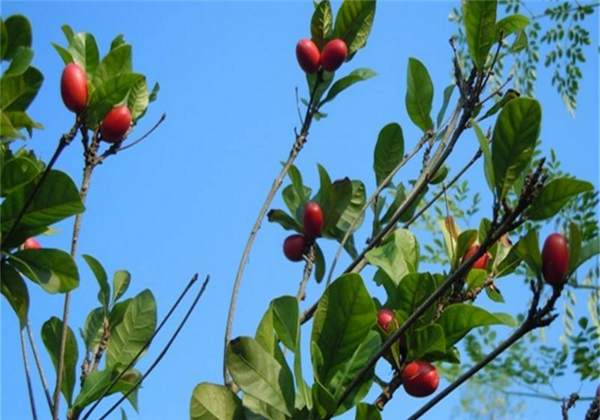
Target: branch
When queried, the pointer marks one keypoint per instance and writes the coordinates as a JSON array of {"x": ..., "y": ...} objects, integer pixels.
[
  {"x": 388, "y": 392},
  {"x": 593, "y": 412},
  {"x": 310, "y": 260},
  {"x": 40, "y": 369},
  {"x": 28, "y": 375},
  {"x": 569, "y": 403}
]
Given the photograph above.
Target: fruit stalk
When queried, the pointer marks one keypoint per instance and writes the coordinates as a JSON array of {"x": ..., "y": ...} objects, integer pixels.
[{"x": 310, "y": 260}]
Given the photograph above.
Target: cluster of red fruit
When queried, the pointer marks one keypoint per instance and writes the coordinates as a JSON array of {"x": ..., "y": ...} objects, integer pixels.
[
  {"x": 331, "y": 58},
  {"x": 295, "y": 246},
  {"x": 74, "y": 90}
]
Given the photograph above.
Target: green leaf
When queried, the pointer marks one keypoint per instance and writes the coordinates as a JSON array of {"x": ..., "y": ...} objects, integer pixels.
[
  {"x": 529, "y": 251},
  {"x": 108, "y": 95},
  {"x": 480, "y": 26},
  {"x": 321, "y": 24},
  {"x": 255, "y": 409},
  {"x": 521, "y": 42},
  {"x": 366, "y": 411},
  {"x": 588, "y": 250},
  {"x": 488, "y": 166},
  {"x": 286, "y": 320},
  {"x": 215, "y": 402},
  {"x": 117, "y": 313},
  {"x": 494, "y": 294},
  {"x": 412, "y": 292},
  {"x": 427, "y": 343},
  {"x": 18, "y": 91},
  {"x": 3, "y": 39},
  {"x": 508, "y": 265},
  {"x": 121, "y": 281},
  {"x": 397, "y": 256},
  {"x": 65, "y": 55},
  {"x": 20, "y": 62},
  {"x": 358, "y": 75},
  {"x": 138, "y": 100},
  {"x": 458, "y": 319},
  {"x": 84, "y": 50},
  {"x": 419, "y": 94},
  {"x": 260, "y": 375},
  {"x": 510, "y": 25},
  {"x": 69, "y": 33},
  {"x": 342, "y": 192},
  {"x": 154, "y": 92},
  {"x": 131, "y": 335},
  {"x": 353, "y": 23},
  {"x": 311, "y": 79},
  {"x": 51, "y": 336},
  {"x": 513, "y": 141},
  {"x": 16, "y": 173},
  {"x": 54, "y": 270},
  {"x": 94, "y": 386},
  {"x": 14, "y": 289},
  {"x": 342, "y": 321},
  {"x": 117, "y": 42},
  {"x": 20, "y": 119},
  {"x": 319, "y": 264},
  {"x": 102, "y": 278},
  {"x": 92, "y": 329},
  {"x": 510, "y": 95},
  {"x": 57, "y": 199},
  {"x": 447, "y": 95},
  {"x": 476, "y": 278},
  {"x": 284, "y": 220},
  {"x": 7, "y": 131},
  {"x": 389, "y": 151},
  {"x": 115, "y": 63},
  {"x": 18, "y": 34},
  {"x": 352, "y": 210},
  {"x": 554, "y": 196}
]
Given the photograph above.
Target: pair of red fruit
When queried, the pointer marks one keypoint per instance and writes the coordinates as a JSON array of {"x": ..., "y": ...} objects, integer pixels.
[
  {"x": 295, "y": 246},
  {"x": 331, "y": 58},
  {"x": 555, "y": 259},
  {"x": 74, "y": 90}
]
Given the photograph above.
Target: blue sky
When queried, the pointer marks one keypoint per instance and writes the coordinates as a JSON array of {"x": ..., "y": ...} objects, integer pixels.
[{"x": 184, "y": 200}]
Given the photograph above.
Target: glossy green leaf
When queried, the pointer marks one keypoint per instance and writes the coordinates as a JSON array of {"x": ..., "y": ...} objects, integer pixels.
[
  {"x": 215, "y": 402},
  {"x": 513, "y": 141},
  {"x": 260, "y": 375},
  {"x": 117, "y": 313},
  {"x": 284, "y": 220},
  {"x": 480, "y": 26},
  {"x": 16, "y": 173},
  {"x": 92, "y": 329},
  {"x": 427, "y": 343},
  {"x": 554, "y": 196},
  {"x": 85, "y": 53},
  {"x": 488, "y": 165},
  {"x": 108, "y": 95},
  {"x": 358, "y": 200},
  {"x": 447, "y": 95},
  {"x": 528, "y": 250},
  {"x": 18, "y": 34},
  {"x": 389, "y": 151},
  {"x": 510, "y": 95},
  {"x": 115, "y": 63},
  {"x": 138, "y": 100},
  {"x": 508, "y": 265},
  {"x": 353, "y": 23},
  {"x": 3, "y": 39},
  {"x": 15, "y": 291},
  {"x": 358, "y": 75},
  {"x": 20, "y": 61},
  {"x": 18, "y": 91},
  {"x": 54, "y": 270},
  {"x": 419, "y": 94},
  {"x": 64, "y": 54},
  {"x": 131, "y": 335},
  {"x": 51, "y": 336},
  {"x": 366, "y": 411},
  {"x": 397, "y": 256},
  {"x": 510, "y": 25},
  {"x": 20, "y": 120},
  {"x": 121, "y": 281},
  {"x": 321, "y": 24},
  {"x": 411, "y": 293},
  {"x": 102, "y": 278}
]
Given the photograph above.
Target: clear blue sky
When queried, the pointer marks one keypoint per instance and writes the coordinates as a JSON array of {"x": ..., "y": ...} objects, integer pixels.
[{"x": 184, "y": 200}]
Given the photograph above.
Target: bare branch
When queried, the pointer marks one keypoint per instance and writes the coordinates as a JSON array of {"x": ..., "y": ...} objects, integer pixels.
[
  {"x": 569, "y": 403},
  {"x": 40, "y": 369},
  {"x": 28, "y": 375},
  {"x": 310, "y": 260}
]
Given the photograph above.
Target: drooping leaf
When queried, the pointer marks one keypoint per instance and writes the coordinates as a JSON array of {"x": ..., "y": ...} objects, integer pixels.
[
  {"x": 358, "y": 75},
  {"x": 51, "y": 336},
  {"x": 54, "y": 270},
  {"x": 102, "y": 278},
  {"x": 389, "y": 151},
  {"x": 419, "y": 95},
  {"x": 554, "y": 196},
  {"x": 15, "y": 291},
  {"x": 284, "y": 220}
]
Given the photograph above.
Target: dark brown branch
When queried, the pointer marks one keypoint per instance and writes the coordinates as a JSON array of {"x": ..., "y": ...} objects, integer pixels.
[
  {"x": 569, "y": 403},
  {"x": 388, "y": 392}
]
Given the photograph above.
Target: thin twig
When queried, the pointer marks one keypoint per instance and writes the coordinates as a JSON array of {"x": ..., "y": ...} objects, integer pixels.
[
  {"x": 310, "y": 260},
  {"x": 144, "y": 348},
  {"x": 388, "y": 392},
  {"x": 162, "y": 354},
  {"x": 130, "y": 145},
  {"x": 40, "y": 368},
  {"x": 28, "y": 375}
]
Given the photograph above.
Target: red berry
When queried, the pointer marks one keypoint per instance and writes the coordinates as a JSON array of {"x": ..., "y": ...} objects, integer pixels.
[
  {"x": 555, "y": 260},
  {"x": 313, "y": 220},
  {"x": 116, "y": 124},
  {"x": 481, "y": 263},
  {"x": 384, "y": 319},
  {"x": 294, "y": 247},
  {"x": 420, "y": 378},
  {"x": 31, "y": 243},
  {"x": 308, "y": 55},
  {"x": 334, "y": 54},
  {"x": 73, "y": 88}
]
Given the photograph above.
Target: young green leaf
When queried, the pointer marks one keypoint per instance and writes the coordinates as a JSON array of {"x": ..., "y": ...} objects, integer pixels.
[
  {"x": 321, "y": 24},
  {"x": 121, "y": 281},
  {"x": 215, "y": 402},
  {"x": 85, "y": 53},
  {"x": 389, "y": 151},
  {"x": 102, "y": 278},
  {"x": 510, "y": 25},
  {"x": 480, "y": 26},
  {"x": 14, "y": 289},
  {"x": 419, "y": 94},
  {"x": 54, "y": 270},
  {"x": 353, "y": 23},
  {"x": 554, "y": 196}
]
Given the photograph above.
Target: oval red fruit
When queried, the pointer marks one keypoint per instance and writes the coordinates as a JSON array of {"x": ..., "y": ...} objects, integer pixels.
[
  {"x": 334, "y": 54},
  {"x": 313, "y": 220},
  {"x": 73, "y": 88},
  {"x": 294, "y": 247},
  {"x": 308, "y": 55},
  {"x": 31, "y": 243},
  {"x": 116, "y": 124},
  {"x": 384, "y": 319},
  {"x": 555, "y": 260},
  {"x": 481, "y": 263},
  {"x": 420, "y": 378}
]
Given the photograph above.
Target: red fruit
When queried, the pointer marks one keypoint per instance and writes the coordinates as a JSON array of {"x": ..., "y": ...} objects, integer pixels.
[
  {"x": 481, "y": 263},
  {"x": 313, "y": 220},
  {"x": 116, "y": 124},
  {"x": 334, "y": 54},
  {"x": 31, "y": 243},
  {"x": 73, "y": 88},
  {"x": 294, "y": 247},
  {"x": 420, "y": 378},
  {"x": 308, "y": 55},
  {"x": 555, "y": 260},
  {"x": 384, "y": 319}
]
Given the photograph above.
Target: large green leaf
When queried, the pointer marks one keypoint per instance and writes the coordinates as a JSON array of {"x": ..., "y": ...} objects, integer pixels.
[
  {"x": 215, "y": 402},
  {"x": 115, "y": 63},
  {"x": 480, "y": 26},
  {"x": 419, "y": 94},
  {"x": 20, "y": 62},
  {"x": 260, "y": 375},
  {"x": 98, "y": 382},
  {"x": 54, "y": 270},
  {"x": 121, "y": 281},
  {"x": 321, "y": 24},
  {"x": 20, "y": 120},
  {"x": 358, "y": 75},
  {"x": 84, "y": 50},
  {"x": 14, "y": 289},
  {"x": 397, "y": 256},
  {"x": 342, "y": 321},
  {"x": 255, "y": 409},
  {"x": 412, "y": 292},
  {"x": 138, "y": 100},
  {"x": 134, "y": 332},
  {"x": 554, "y": 196},
  {"x": 528, "y": 250},
  {"x": 16, "y": 173},
  {"x": 458, "y": 319},
  {"x": 56, "y": 200},
  {"x": 389, "y": 151},
  {"x": 108, "y": 95},
  {"x": 102, "y": 278},
  {"x": 51, "y": 336},
  {"x": 18, "y": 91},
  {"x": 18, "y": 34},
  {"x": 427, "y": 343},
  {"x": 353, "y": 23},
  {"x": 339, "y": 199},
  {"x": 513, "y": 141}
]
